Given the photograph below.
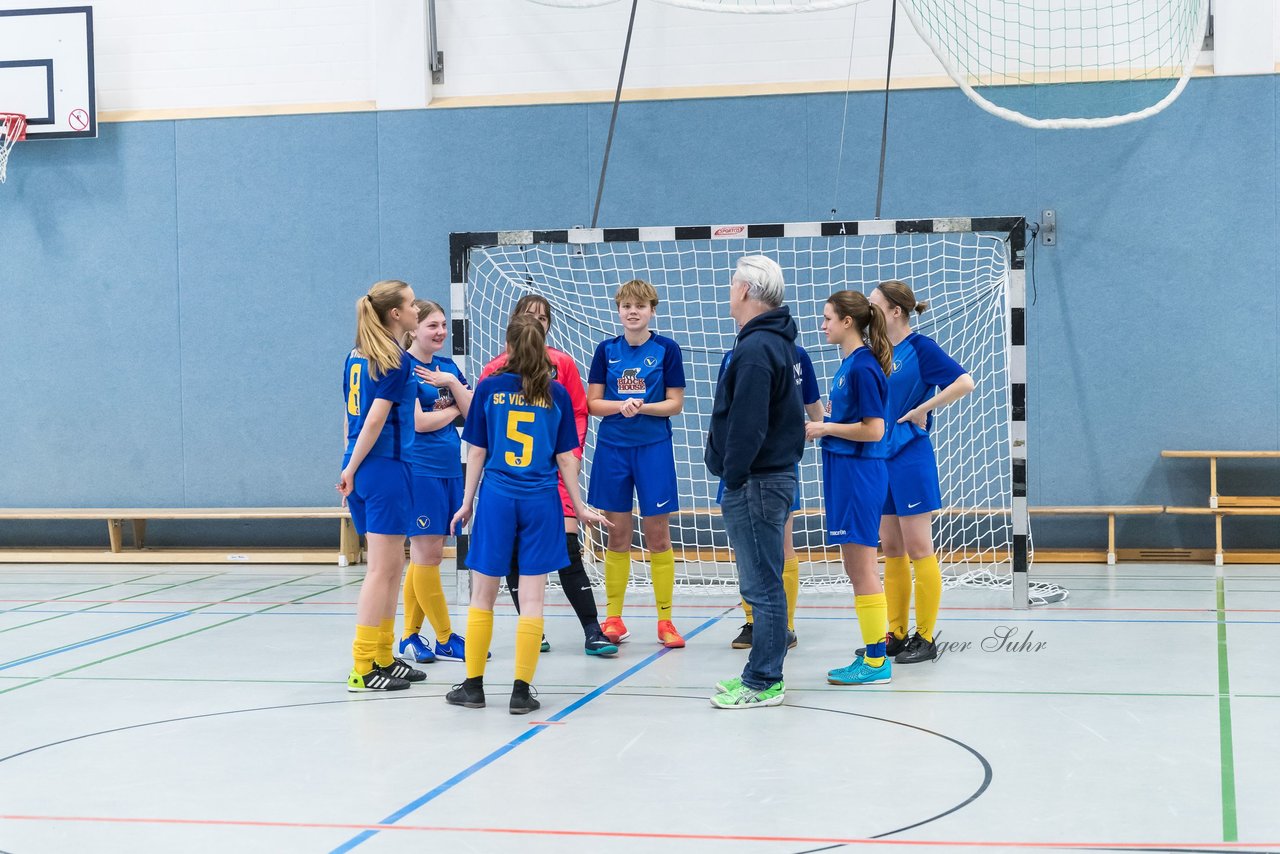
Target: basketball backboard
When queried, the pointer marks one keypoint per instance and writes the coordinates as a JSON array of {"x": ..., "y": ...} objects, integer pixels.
[{"x": 46, "y": 70}]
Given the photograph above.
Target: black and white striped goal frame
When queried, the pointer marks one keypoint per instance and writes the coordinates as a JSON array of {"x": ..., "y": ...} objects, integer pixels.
[{"x": 1012, "y": 228}]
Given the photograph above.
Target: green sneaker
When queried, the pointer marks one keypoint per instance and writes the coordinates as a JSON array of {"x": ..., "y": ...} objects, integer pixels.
[
  {"x": 726, "y": 686},
  {"x": 746, "y": 697}
]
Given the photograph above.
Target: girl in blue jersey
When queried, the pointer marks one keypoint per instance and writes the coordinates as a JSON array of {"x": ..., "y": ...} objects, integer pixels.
[
  {"x": 919, "y": 367},
  {"x": 376, "y": 479},
  {"x": 854, "y": 481},
  {"x": 443, "y": 396},
  {"x": 521, "y": 431},
  {"x": 807, "y": 379},
  {"x": 636, "y": 384}
]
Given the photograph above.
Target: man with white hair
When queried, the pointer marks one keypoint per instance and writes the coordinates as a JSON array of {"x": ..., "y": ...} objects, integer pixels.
[{"x": 754, "y": 442}]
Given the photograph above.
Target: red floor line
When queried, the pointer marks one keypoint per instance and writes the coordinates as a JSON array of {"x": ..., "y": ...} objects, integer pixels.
[
  {"x": 686, "y": 606},
  {"x": 618, "y": 834}
]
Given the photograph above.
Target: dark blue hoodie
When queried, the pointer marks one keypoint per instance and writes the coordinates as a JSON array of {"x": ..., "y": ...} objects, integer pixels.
[{"x": 757, "y": 422}]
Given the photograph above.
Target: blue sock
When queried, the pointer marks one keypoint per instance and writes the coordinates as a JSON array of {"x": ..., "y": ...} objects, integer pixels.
[{"x": 874, "y": 650}]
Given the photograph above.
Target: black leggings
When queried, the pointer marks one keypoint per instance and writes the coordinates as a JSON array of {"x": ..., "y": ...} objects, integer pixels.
[{"x": 574, "y": 580}]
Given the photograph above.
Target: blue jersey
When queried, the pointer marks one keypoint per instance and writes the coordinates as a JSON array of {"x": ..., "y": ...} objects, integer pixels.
[
  {"x": 438, "y": 453},
  {"x": 522, "y": 439},
  {"x": 860, "y": 390},
  {"x": 361, "y": 390},
  {"x": 806, "y": 378},
  {"x": 645, "y": 372},
  {"x": 919, "y": 366}
]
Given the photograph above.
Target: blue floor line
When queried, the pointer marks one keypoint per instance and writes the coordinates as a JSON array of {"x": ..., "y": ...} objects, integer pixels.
[
  {"x": 99, "y": 639},
  {"x": 998, "y": 617},
  {"x": 511, "y": 745}
]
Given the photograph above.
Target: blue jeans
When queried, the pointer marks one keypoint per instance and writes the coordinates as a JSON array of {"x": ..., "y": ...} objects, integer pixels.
[{"x": 754, "y": 517}]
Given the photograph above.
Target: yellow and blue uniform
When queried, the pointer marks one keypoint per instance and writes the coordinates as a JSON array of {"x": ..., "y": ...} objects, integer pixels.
[
  {"x": 635, "y": 454},
  {"x": 436, "y": 457},
  {"x": 854, "y": 479},
  {"x": 919, "y": 366},
  {"x": 381, "y": 498},
  {"x": 519, "y": 503},
  {"x": 807, "y": 380}
]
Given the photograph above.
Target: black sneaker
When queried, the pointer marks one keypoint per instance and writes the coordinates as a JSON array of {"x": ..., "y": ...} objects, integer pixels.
[
  {"x": 917, "y": 650},
  {"x": 892, "y": 646},
  {"x": 792, "y": 640},
  {"x": 598, "y": 644},
  {"x": 743, "y": 640},
  {"x": 468, "y": 693},
  {"x": 400, "y": 669},
  {"x": 522, "y": 698},
  {"x": 375, "y": 680}
]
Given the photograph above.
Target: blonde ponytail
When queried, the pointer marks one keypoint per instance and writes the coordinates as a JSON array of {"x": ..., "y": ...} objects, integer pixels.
[{"x": 374, "y": 340}]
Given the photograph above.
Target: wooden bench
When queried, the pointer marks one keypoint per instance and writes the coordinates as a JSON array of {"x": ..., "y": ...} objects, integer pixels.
[
  {"x": 347, "y": 553},
  {"x": 1110, "y": 511},
  {"x": 1220, "y": 555},
  {"x": 1230, "y": 505},
  {"x": 1216, "y": 500}
]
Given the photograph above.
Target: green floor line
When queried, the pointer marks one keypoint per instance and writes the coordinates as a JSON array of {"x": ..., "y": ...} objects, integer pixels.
[
  {"x": 147, "y": 592},
  {"x": 22, "y": 608},
  {"x": 37, "y": 680},
  {"x": 1229, "y": 829}
]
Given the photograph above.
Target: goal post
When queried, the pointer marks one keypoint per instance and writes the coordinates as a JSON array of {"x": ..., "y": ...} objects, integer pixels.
[{"x": 969, "y": 269}]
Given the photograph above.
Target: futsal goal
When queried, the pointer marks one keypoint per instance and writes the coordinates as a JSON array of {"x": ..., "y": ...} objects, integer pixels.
[{"x": 969, "y": 269}]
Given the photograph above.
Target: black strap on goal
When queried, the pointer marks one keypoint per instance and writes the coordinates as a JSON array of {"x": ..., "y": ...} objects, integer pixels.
[
  {"x": 884, "y": 125},
  {"x": 613, "y": 120}
]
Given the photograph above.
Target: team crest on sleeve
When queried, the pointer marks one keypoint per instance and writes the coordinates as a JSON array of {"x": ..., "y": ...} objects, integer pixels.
[
  {"x": 799, "y": 372},
  {"x": 631, "y": 382}
]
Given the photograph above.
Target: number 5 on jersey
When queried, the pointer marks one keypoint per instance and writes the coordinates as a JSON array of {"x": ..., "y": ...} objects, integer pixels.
[{"x": 524, "y": 440}]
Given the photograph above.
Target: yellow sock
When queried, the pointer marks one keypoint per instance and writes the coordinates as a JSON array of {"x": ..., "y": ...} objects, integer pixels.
[
  {"x": 528, "y": 644},
  {"x": 479, "y": 636},
  {"x": 662, "y": 567},
  {"x": 897, "y": 593},
  {"x": 412, "y": 611},
  {"x": 617, "y": 571},
  {"x": 364, "y": 648},
  {"x": 928, "y": 595},
  {"x": 431, "y": 601},
  {"x": 746, "y": 610},
  {"x": 383, "y": 656},
  {"x": 791, "y": 586},
  {"x": 873, "y": 617}
]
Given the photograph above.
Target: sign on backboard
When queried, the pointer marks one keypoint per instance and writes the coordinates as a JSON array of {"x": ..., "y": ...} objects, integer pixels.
[{"x": 46, "y": 70}]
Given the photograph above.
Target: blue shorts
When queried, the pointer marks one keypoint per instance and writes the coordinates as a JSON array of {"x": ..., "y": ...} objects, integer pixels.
[
  {"x": 853, "y": 489},
  {"x": 795, "y": 502},
  {"x": 435, "y": 500},
  {"x": 530, "y": 527},
  {"x": 382, "y": 498},
  {"x": 649, "y": 471},
  {"x": 913, "y": 480}
]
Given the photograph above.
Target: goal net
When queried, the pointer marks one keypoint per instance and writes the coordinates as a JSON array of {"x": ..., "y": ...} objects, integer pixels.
[
  {"x": 1019, "y": 59},
  {"x": 962, "y": 267}
]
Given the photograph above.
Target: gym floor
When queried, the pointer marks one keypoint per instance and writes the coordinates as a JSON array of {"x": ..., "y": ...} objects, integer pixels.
[{"x": 195, "y": 709}]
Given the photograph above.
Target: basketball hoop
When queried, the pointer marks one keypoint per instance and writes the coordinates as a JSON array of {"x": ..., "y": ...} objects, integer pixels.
[{"x": 13, "y": 128}]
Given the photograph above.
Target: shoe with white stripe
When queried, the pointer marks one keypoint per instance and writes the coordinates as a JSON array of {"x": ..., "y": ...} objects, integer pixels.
[
  {"x": 400, "y": 669},
  {"x": 375, "y": 680}
]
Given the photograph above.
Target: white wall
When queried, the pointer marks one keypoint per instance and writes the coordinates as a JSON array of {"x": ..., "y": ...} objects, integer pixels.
[
  {"x": 176, "y": 54},
  {"x": 189, "y": 56}
]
